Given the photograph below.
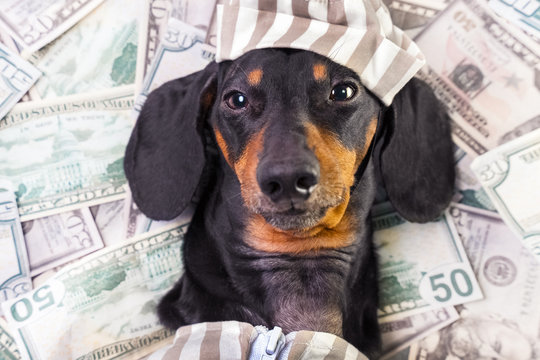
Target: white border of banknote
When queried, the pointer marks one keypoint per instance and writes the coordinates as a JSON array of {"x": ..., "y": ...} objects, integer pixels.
[
  {"x": 501, "y": 155},
  {"x": 20, "y": 249},
  {"x": 178, "y": 29},
  {"x": 17, "y": 282},
  {"x": 500, "y": 201},
  {"x": 142, "y": 46},
  {"x": 15, "y": 71}
]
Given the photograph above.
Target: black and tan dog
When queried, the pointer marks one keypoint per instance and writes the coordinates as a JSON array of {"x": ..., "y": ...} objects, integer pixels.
[{"x": 281, "y": 235}]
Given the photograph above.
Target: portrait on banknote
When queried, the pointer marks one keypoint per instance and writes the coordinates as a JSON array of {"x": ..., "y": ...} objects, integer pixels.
[
  {"x": 481, "y": 68},
  {"x": 479, "y": 337},
  {"x": 468, "y": 78}
]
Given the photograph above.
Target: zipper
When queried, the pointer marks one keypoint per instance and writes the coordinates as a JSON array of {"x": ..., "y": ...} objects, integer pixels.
[{"x": 268, "y": 344}]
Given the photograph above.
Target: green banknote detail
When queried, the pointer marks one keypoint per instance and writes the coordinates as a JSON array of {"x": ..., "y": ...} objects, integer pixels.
[
  {"x": 68, "y": 153},
  {"x": 8, "y": 347},
  {"x": 421, "y": 266},
  {"x": 98, "y": 53},
  {"x": 102, "y": 306}
]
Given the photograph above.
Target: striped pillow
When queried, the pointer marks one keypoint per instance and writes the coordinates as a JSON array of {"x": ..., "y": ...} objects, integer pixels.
[
  {"x": 233, "y": 340},
  {"x": 357, "y": 34}
]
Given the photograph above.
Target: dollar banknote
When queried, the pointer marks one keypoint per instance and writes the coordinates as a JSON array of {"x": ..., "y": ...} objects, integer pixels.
[
  {"x": 481, "y": 69},
  {"x": 154, "y": 19},
  {"x": 98, "y": 53},
  {"x": 413, "y": 15},
  {"x": 180, "y": 53},
  {"x": 401, "y": 355},
  {"x": 510, "y": 176},
  {"x": 9, "y": 42},
  {"x": 14, "y": 266},
  {"x": 67, "y": 153},
  {"x": 35, "y": 23},
  {"x": 109, "y": 218},
  {"x": 103, "y": 306},
  {"x": 468, "y": 189},
  {"x": 136, "y": 222},
  {"x": 399, "y": 334},
  {"x": 16, "y": 77},
  {"x": 211, "y": 34},
  {"x": 525, "y": 14},
  {"x": 8, "y": 347},
  {"x": 506, "y": 323},
  {"x": 55, "y": 240},
  {"x": 421, "y": 266}
]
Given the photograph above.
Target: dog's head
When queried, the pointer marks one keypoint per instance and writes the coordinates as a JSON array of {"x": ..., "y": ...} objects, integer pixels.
[{"x": 295, "y": 128}]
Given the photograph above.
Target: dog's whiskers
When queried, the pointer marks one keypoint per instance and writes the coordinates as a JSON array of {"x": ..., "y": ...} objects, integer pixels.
[{"x": 233, "y": 197}]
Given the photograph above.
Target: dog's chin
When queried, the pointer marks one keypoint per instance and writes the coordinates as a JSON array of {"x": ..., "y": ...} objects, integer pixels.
[{"x": 293, "y": 219}]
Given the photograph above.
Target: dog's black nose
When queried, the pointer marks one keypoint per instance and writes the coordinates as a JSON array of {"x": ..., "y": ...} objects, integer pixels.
[{"x": 285, "y": 181}]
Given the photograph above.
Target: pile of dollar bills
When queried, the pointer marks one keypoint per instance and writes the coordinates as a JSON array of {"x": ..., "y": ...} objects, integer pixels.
[{"x": 82, "y": 269}]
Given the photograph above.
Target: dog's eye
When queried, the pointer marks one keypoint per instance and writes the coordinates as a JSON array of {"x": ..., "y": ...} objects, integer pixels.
[
  {"x": 237, "y": 100},
  {"x": 342, "y": 92}
]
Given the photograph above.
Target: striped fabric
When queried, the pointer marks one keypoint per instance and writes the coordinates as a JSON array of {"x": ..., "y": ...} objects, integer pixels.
[
  {"x": 233, "y": 340},
  {"x": 356, "y": 33}
]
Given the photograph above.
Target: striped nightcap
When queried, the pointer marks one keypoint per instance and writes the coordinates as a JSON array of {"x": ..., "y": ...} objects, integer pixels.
[{"x": 356, "y": 33}]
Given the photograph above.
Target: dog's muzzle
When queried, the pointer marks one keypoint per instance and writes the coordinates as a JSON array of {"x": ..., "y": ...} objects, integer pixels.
[{"x": 289, "y": 183}]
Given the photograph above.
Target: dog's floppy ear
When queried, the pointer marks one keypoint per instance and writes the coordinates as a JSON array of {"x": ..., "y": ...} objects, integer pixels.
[
  {"x": 165, "y": 155},
  {"x": 416, "y": 161}
]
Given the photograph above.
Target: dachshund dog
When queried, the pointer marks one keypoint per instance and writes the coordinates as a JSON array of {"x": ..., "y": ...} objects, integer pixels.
[{"x": 284, "y": 150}]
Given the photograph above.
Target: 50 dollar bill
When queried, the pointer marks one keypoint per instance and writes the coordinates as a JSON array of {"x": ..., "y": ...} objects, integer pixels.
[
  {"x": 103, "y": 306},
  {"x": 506, "y": 323},
  {"x": 421, "y": 266}
]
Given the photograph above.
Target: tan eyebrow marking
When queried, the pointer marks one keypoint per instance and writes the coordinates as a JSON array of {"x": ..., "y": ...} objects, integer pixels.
[
  {"x": 255, "y": 76},
  {"x": 319, "y": 72}
]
